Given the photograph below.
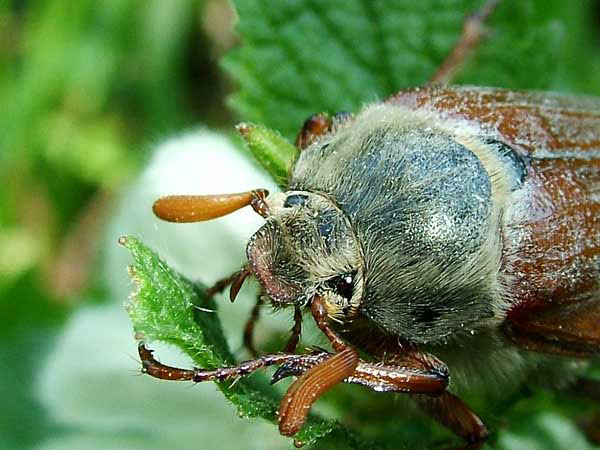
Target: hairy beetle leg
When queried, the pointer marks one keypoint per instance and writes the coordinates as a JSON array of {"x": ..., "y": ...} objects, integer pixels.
[
  {"x": 319, "y": 313},
  {"x": 314, "y": 127},
  {"x": 472, "y": 33},
  {"x": 376, "y": 376},
  {"x": 156, "y": 369},
  {"x": 452, "y": 412}
]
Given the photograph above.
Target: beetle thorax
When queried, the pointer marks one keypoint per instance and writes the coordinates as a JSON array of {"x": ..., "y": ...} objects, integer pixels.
[
  {"x": 424, "y": 203},
  {"x": 307, "y": 247}
]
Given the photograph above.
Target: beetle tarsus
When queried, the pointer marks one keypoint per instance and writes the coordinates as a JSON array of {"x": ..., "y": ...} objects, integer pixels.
[{"x": 156, "y": 369}]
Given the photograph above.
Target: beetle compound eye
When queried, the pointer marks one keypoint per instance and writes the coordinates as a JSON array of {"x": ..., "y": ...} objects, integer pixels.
[
  {"x": 295, "y": 200},
  {"x": 343, "y": 285}
]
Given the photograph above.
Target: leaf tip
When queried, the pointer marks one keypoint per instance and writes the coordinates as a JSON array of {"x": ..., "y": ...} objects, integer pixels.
[
  {"x": 139, "y": 336},
  {"x": 244, "y": 128}
]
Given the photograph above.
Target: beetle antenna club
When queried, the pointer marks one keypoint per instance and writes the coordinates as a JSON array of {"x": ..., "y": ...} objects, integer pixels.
[{"x": 199, "y": 208}]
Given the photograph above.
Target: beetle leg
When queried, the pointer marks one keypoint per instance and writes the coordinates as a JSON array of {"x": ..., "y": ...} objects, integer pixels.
[
  {"x": 292, "y": 343},
  {"x": 325, "y": 370},
  {"x": 472, "y": 33},
  {"x": 250, "y": 325},
  {"x": 317, "y": 308},
  {"x": 377, "y": 376},
  {"x": 444, "y": 407},
  {"x": 406, "y": 363},
  {"x": 156, "y": 369},
  {"x": 198, "y": 208},
  {"x": 320, "y": 371},
  {"x": 452, "y": 412},
  {"x": 236, "y": 280},
  {"x": 319, "y": 125},
  {"x": 315, "y": 126},
  {"x": 321, "y": 376}
]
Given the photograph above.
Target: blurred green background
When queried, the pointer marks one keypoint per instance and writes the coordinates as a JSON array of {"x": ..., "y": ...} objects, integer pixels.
[{"x": 86, "y": 90}]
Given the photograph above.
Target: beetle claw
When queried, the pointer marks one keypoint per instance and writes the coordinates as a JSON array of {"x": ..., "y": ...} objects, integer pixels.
[{"x": 281, "y": 373}]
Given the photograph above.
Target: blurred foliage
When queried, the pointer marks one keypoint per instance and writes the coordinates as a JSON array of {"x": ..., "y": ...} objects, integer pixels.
[
  {"x": 86, "y": 86},
  {"x": 303, "y": 57}
]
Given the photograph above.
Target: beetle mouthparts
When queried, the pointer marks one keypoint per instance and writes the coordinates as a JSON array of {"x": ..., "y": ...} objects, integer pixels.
[
  {"x": 237, "y": 283},
  {"x": 272, "y": 265}
]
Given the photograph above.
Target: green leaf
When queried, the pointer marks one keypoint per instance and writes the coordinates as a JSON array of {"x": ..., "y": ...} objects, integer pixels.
[
  {"x": 308, "y": 56},
  {"x": 169, "y": 308},
  {"x": 272, "y": 151}
]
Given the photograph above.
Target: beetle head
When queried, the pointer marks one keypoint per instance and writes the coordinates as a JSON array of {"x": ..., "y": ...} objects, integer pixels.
[{"x": 306, "y": 248}]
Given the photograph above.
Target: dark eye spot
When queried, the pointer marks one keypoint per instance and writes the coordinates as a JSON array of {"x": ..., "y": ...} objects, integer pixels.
[
  {"x": 514, "y": 158},
  {"x": 426, "y": 315},
  {"x": 295, "y": 200},
  {"x": 325, "y": 229},
  {"x": 343, "y": 285}
]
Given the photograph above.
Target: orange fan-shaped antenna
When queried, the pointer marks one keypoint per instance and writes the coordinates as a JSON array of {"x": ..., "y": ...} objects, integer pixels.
[{"x": 198, "y": 208}]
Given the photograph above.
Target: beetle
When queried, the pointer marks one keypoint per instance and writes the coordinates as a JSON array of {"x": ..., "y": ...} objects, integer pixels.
[{"x": 445, "y": 230}]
